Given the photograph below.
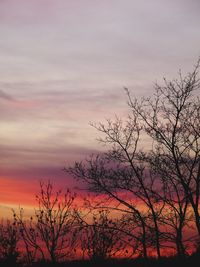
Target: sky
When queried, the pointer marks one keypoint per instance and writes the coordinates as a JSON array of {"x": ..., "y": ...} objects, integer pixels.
[{"x": 64, "y": 64}]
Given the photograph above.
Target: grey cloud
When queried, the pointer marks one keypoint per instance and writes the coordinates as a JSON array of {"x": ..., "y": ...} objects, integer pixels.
[
  {"x": 6, "y": 96},
  {"x": 13, "y": 150},
  {"x": 60, "y": 100},
  {"x": 29, "y": 156}
]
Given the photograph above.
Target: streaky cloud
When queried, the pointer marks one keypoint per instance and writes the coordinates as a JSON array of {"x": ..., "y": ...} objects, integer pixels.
[{"x": 6, "y": 96}]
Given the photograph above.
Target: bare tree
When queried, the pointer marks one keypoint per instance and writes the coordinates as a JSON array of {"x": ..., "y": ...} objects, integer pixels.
[
  {"x": 172, "y": 120},
  {"x": 120, "y": 170},
  {"x": 51, "y": 230}
]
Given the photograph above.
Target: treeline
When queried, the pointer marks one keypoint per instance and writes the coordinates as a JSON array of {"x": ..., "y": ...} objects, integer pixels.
[
  {"x": 147, "y": 187},
  {"x": 61, "y": 233}
]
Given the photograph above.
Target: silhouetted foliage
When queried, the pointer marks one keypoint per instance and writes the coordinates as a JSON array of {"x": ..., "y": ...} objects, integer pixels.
[
  {"x": 9, "y": 239},
  {"x": 101, "y": 238}
]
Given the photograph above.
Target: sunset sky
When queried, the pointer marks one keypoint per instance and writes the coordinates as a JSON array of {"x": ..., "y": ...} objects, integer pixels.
[{"x": 64, "y": 64}]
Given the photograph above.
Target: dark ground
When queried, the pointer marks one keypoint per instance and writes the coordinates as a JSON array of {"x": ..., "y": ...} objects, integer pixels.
[{"x": 190, "y": 261}]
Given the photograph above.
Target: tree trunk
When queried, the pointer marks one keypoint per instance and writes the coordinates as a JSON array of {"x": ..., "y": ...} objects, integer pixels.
[{"x": 179, "y": 243}]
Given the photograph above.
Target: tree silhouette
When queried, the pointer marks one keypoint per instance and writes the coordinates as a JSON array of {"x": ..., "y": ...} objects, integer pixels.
[
  {"x": 165, "y": 176},
  {"x": 51, "y": 231},
  {"x": 172, "y": 120},
  {"x": 9, "y": 239},
  {"x": 101, "y": 236}
]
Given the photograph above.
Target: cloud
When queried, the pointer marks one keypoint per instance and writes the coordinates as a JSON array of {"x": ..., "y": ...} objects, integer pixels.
[
  {"x": 39, "y": 161},
  {"x": 60, "y": 102},
  {"x": 6, "y": 96}
]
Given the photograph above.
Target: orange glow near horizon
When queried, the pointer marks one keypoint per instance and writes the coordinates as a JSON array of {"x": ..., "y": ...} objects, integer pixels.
[{"x": 16, "y": 191}]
